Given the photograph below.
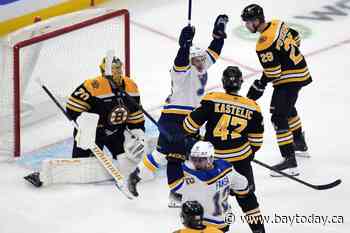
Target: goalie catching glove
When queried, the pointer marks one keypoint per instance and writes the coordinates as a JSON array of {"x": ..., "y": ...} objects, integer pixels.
[
  {"x": 86, "y": 134},
  {"x": 134, "y": 144}
]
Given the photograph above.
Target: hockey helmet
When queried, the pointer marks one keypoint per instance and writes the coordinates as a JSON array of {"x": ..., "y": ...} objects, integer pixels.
[
  {"x": 202, "y": 154},
  {"x": 198, "y": 57},
  {"x": 117, "y": 70},
  {"x": 196, "y": 52},
  {"x": 252, "y": 12},
  {"x": 232, "y": 79},
  {"x": 192, "y": 214}
]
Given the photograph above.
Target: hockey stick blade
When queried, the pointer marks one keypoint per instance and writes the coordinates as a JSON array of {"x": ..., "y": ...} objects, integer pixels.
[
  {"x": 327, "y": 186},
  {"x": 317, "y": 187}
]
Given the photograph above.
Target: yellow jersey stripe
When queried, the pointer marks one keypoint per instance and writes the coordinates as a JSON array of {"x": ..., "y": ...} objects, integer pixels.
[
  {"x": 222, "y": 174},
  {"x": 275, "y": 68},
  {"x": 255, "y": 135},
  {"x": 149, "y": 165},
  {"x": 227, "y": 151},
  {"x": 213, "y": 54},
  {"x": 74, "y": 108},
  {"x": 176, "y": 183},
  {"x": 291, "y": 80},
  {"x": 135, "y": 121},
  {"x": 238, "y": 158},
  {"x": 295, "y": 71},
  {"x": 192, "y": 122},
  {"x": 80, "y": 102},
  {"x": 187, "y": 129},
  {"x": 181, "y": 68},
  {"x": 282, "y": 135}
]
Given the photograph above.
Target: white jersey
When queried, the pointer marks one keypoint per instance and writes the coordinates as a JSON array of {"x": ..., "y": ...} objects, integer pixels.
[
  {"x": 211, "y": 189},
  {"x": 188, "y": 86}
]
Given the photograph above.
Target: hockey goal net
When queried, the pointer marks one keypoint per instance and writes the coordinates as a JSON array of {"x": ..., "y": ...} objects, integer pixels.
[{"x": 62, "y": 52}]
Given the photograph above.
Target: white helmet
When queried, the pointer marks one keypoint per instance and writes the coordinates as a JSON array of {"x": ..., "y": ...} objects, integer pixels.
[
  {"x": 196, "y": 52},
  {"x": 202, "y": 155},
  {"x": 202, "y": 149}
]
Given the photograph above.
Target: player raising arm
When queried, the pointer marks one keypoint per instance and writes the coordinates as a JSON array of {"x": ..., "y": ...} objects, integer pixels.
[{"x": 188, "y": 80}]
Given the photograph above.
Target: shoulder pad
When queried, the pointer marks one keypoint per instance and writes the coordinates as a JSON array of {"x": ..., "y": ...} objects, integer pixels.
[
  {"x": 97, "y": 86},
  {"x": 222, "y": 97},
  {"x": 130, "y": 86},
  {"x": 210, "y": 96},
  {"x": 269, "y": 36}
]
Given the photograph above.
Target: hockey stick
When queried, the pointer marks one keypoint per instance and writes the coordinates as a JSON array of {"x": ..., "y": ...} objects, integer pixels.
[
  {"x": 317, "y": 187},
  {"x": 100, "y": 155},
  {"x": 189, "y": 12}
]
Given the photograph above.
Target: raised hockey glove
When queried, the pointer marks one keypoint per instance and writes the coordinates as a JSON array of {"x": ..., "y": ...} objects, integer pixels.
[
  {"x": 186, "y": 36},
  {"x": 220, "y": 27},
  {"x": 256, "y": 90}
]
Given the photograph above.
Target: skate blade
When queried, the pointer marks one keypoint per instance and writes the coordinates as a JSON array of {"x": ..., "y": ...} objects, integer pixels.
[
  {"x": 302, "y": 154},
  {"x": 289, "y": 171}
]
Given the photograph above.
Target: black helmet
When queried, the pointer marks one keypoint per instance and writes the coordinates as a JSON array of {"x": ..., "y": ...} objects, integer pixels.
[
  {"x": 253, "y": 11},
  {"x": 192, "y": 214},
  {"x": 232, "y": 79}
]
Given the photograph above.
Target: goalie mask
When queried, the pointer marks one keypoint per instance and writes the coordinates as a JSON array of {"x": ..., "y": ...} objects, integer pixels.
[
  {"x": 198, "y": 58},
  {"x": 117, "y": 71},
  {"x": 202, "y": 155}
]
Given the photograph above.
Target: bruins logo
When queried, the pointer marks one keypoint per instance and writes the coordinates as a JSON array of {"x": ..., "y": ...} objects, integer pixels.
[{"x": 118, "y": 115}]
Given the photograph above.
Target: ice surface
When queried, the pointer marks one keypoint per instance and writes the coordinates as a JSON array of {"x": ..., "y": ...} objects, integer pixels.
[{"x": 323, "y": 108}]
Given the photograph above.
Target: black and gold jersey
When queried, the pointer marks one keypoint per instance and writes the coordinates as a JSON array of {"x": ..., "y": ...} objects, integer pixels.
[
  {"x": 206, "y": 229},
  {"x": 234, "y": 124},
  {"x": 279, "y": 54},
  {"x": 115, "y": 110}
]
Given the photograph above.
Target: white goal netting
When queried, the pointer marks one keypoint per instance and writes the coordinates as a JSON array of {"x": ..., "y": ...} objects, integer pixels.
[{"x": 62, "y": 52}]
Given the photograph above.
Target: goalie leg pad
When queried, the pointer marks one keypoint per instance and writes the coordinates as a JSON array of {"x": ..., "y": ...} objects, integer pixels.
[
  {"x": 78, "y": 170},
  {"x": 125, "y": 164}
]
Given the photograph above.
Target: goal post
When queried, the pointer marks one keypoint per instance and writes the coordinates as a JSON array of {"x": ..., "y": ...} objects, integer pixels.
[{"x": 63, "y": 51}]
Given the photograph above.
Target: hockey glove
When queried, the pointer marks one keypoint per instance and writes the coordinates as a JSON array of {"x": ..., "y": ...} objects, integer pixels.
[
  {"x": 134, "y": 144},
  {"x": 186, "y": 36},
  {"x": 256, "y": 90},
  {"x": 220, "y": 27}
]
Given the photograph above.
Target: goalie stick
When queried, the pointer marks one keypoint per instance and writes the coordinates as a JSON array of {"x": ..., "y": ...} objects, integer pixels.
[
  {"x": 100, "y": 155},
  {"x": 317, "y": 187}
]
